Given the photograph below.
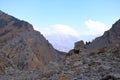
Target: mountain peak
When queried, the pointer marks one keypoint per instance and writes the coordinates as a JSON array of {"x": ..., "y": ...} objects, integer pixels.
[
  {"x": 26, "y": 48},
  {"x": 8, "y": 20}
]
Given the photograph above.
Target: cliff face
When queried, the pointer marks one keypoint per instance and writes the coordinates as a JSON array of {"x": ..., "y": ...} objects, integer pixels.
[
  {"x": 108, "y": 37},
  {"x": 21, "y": 46}
]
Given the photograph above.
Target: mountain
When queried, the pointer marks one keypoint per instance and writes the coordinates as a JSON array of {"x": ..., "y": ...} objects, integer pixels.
[
  {"x": 96, "y": 60},
  {"x": 107, "y": 38},
  {"x": 21, "y": 47},
  {"x": 26, "y": 55}
]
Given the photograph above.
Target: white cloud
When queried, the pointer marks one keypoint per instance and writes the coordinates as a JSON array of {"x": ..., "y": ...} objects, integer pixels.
[
  {"x": 95, "y": 27},
  {"x": 60, "y": 29},
  {"x": 63, "y": 37}
]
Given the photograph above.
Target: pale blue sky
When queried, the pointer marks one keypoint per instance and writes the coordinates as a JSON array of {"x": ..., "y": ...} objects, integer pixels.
[
  {"x": 69, "y": 12},
  {"x": 79, "y": 15}
]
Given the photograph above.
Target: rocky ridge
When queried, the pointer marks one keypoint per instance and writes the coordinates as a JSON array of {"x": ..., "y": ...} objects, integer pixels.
[
  {"x": 98, "y": 60},
  {"x": 21, "y": 47},
  {"x": 107, "y": 38}
]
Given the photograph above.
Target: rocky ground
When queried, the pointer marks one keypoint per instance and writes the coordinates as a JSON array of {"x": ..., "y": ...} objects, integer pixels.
[{"x": 84, "y": 65}]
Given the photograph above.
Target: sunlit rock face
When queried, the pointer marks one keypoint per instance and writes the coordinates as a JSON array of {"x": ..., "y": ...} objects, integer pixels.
[{"x": 21, "y": 46}]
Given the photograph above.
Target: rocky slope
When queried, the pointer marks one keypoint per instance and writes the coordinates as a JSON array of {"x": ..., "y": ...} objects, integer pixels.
[
  {"x": 21, "y": 47},
  {"x": 26, "y": 55},
  {"x": 98, "y": 60}
]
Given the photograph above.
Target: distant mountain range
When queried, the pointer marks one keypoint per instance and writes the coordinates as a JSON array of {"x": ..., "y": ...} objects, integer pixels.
[{"x": 61, "y": 42}]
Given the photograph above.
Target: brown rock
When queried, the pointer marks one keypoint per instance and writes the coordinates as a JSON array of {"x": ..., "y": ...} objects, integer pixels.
[
  {"x": 79, "y": 44},
  {"x": 26, "y": 48}
]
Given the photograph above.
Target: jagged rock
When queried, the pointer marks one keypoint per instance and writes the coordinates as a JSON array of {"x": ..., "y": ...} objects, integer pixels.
[{"x": 79, "y": 46}]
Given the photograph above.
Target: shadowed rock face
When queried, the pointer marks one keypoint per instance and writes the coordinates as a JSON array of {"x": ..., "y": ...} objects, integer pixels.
[{"x": 21, "y": 46}]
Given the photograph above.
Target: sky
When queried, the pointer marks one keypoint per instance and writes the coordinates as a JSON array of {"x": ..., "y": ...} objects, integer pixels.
[{"x": 64, "y": 22}]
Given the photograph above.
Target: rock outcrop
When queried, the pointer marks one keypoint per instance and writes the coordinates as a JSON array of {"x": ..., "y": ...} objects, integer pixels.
[
  {"x": 79, "y": 45},
  {"x": 21, "y": 47}
]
